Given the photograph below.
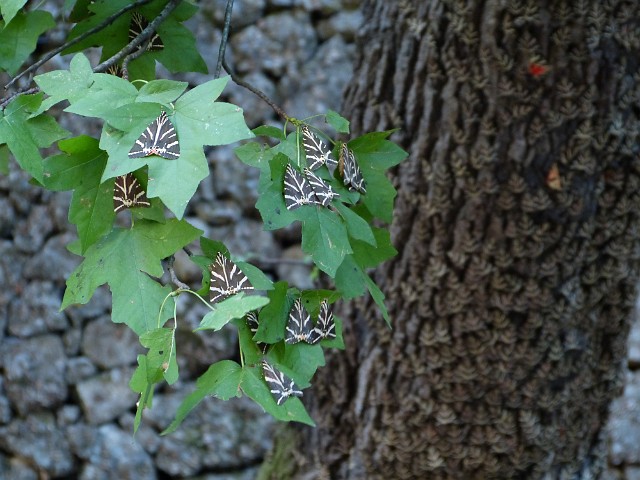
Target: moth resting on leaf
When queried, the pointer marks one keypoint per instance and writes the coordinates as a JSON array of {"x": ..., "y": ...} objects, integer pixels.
[
  {"x": 280, "y": 386},
  {"x": 159, "y": 138},
  {"x": 128, "y": 193},
  {"x": 226, "y": 279},
  {"x": 305, "y": 189},
  {"x": 300, "y": 328}
]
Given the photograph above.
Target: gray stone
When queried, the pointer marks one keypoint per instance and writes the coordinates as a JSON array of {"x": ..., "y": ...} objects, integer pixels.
[
  {"x": 71, "y": 339},
  {"x": 244, "y": 13},
  {"x": 324, "y": 6},
  {"x": 255, "y": 109},
  {"x": 624, "y": 424},
  {"x": 634, "y": 342},
  {"x": 295, "y": 268},
  {"x": 178, "y": 458},
  {"x": 104, "y": 397},
  {"x": 36, "y": 311},
  {"x": 53, "y": 261},
  {"x": 319, "y": 86},
  {"x": 5, "y": 410},
  {"x": 16, "y": 469},
  {"x": 279, "y": 44},
  {"x": 38, "y": 439},
  {"x": 344, "y": 23},
  {"x": 114, "y": 454},
  {"x": 99, "y": 304},
  {"x": 219, "y": 213},
  {"x": 632, "y": 473},
  {"x": 79, "y": 369},
  {"x": 7, "y": 217},
  {"x": 249, "y": 473},
  {"x": 231, "y": 178},
  {"x": 110, "y": 345},
  {"x": 34, "y": 373},
  {"x": 68, "y": 415},
  {"x": 228, "y": 435},
  {"x": 146, "y": 436},
  {"x": 247, "y": 238},
  {"x": 29, "y": 236},
  {"x": 59, "y": 210}
]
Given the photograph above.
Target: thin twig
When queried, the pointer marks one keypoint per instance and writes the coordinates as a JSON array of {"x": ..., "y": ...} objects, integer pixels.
[
  {"x": 79, "y": 38},
  {"x": 24, "y": 91},
  {"x": 256, "y": 91},
  {"x": 225, "y": 37},
  {"x": 174, "y": 277},
  {"x": 129, "y": 58}
]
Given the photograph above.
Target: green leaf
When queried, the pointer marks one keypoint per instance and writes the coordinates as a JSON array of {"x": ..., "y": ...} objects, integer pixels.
[
  {"x": 25, "y": 135},
  {"x": 376, "y": 151},
  {"x": 324, "y": 237},
  {"x": 161, "y": 358},
  {"x": 338, "y": 122},
  {"x": 180, "y": 53},
  {"x": 140, "y": 383},
  {"x": 9, "y": 8},
  {"x": 255, "y": 155},
  {"x": 292, "y": 410},
  {"x": 250, "y": 351},
  {"x": 367, "y": 256},
  {"x": 66, "y": 85},
  {"x": 236, "y": 306},
  {"x": 114, "y": 36},
  {"x": 256, "y": 276},
  {"x": 18, "y": 39},
  {"x": 125, "y": 259},
  {"x": 269, "y": 131},
  {"x": 379, "y": 204},
  {"x": 300, "y": 360},
  {"x": 80, "y": 167},
  {"x": 161, "y": 91},
  {"x": 349, "y": 278},
  {"x": 273, "y": 317},
  {"x": 4, "y": 160},
  {"x": 221, "y": 380},
  {"x": 378, "y": 297},
  {"x": 357, "y": 227},
  {"x": 270, "y": 202},
  {"x": 105, "y": 95},
  {"x": 91, "y": 210},
  {"x": 207, "y": 122}
]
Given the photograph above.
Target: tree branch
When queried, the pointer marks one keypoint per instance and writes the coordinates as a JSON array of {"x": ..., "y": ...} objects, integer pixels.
[
  {"x": 225, "y": 37},
  {"x": 54, "y": 52},
  {"x": 256, "y": 91}
]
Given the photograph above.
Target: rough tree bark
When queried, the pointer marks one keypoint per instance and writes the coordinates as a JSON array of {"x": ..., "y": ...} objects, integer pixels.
[{"x": 517, "y": 228}]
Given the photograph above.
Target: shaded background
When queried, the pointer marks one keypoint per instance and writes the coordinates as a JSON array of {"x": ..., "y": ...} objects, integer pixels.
[{"x": 66, "y": 410}]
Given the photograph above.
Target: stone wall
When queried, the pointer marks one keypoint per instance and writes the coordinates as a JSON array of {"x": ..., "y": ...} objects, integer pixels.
[{"x": 66, "y": 410}]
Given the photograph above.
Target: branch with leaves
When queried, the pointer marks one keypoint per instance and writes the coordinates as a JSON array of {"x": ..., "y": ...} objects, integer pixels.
[{"x": 147, "y": 165}]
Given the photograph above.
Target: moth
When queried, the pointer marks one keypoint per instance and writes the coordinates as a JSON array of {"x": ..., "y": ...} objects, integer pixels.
[
  {"x": 137, "y": 25},
  {"x": 226, "y": 279},
  {"x": 305, "y": 189},
  {"x": 326, "y": 326},
  {"x": 299, "y": 326},
  {"x": 159, "y": 138},
  {"x": 351, "y": 174},
  {"x": 281, "y": 386},
  {"x": 253, "y": 323},
  {"x": 128, "y": 193},
  {"x": 317, "y": 152}
]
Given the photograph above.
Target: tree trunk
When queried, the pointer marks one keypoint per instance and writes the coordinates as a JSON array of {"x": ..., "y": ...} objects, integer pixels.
[{"x": 517, "y": 230}]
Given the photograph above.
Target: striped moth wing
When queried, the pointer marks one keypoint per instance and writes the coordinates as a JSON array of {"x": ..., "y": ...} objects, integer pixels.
[
  {"x": 137, "y": 25},
  {"x": 159, "y": 138},
  {"x": 253, "y": 323},
  {"x": 281, "y": 386},
  {"x": 297, "y": 189},
  {"x": 326, "y": 326},
  {"x": 323, "y": 191},
  {"x": 226, "y": 279},
  {"x": 299, "y": 326},
  {"x": 128, "y": 193},
  {"x": 351, "y": 174},
  {"x": 317, "y": 152}
]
